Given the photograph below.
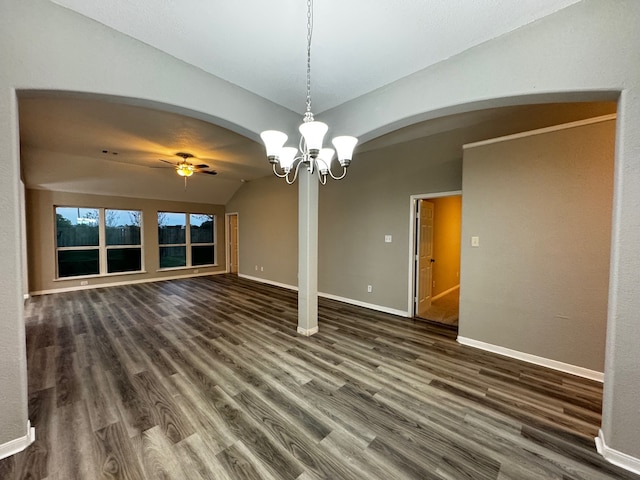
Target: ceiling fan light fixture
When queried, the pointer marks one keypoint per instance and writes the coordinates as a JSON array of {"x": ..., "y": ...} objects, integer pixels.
[{"x": 185, "y": 170}]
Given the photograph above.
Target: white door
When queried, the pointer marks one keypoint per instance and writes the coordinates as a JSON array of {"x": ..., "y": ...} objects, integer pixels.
[{"x": 425, "y": 257}]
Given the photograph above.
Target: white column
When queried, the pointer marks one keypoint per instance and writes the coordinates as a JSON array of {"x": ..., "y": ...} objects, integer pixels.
[{"x": 307, "y": 253}]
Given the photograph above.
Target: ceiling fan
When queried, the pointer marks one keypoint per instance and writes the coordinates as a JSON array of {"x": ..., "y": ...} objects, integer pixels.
[{"x": 185, "y": 168}]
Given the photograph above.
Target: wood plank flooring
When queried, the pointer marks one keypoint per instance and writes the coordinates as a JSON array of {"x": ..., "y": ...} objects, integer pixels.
[{"x": 206, "y": 378}]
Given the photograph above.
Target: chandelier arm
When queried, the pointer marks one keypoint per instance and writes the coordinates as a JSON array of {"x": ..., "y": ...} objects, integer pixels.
[
  {"x": 279, "y": 175},
  {"x": 344, "y": 174},
  {"x": 295, "y": 174}
]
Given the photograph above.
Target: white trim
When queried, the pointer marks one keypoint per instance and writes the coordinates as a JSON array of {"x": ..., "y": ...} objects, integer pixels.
[
  {"x": 446, "y": 292},
  {"x": 19, "y": 444},
  {"x": 100, "y": 275},
  {"x": 307, "y": 333},
  {"x": 527, "y": 357},
  {"x": 192, "y": 267},
  {"x": 632, "y": 464},
  {"x": 268, "y": 282},
  {"x": 350, "y": 301},
  {"x": 130, "y": 282},
  {"x": 412, "y": 243},
  {"x": 371, "y": 306},
  {"x": 540, "y": 131}
]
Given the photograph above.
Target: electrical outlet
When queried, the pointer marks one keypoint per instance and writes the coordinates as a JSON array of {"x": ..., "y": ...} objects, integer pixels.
[
  {"x": 256, "y": 268},
  {"x": 84, "y": 282},
  {"x": 369, "y": 289},
  {"x": 262, "y": 269},
  {"x": 475, "y": 241},
  {"x": 388, "y": 238}
]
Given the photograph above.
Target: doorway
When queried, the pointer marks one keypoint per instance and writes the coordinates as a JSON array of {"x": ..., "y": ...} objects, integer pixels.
[
  {"x": 435, "y": 286},
  {"x": 232, "y": 243}
]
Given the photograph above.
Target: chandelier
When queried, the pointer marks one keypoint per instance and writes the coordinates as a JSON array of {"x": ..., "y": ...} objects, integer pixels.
[{"x": 309, "y": 152}]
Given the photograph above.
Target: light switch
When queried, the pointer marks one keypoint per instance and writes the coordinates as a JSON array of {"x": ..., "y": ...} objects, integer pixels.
[
  {"x": 387, "y": 239},
  {"x": 475, "y": 241}
]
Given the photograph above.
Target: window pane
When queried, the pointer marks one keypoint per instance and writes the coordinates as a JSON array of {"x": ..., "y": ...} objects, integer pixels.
[
  {"x": 203, "y": 255},
  {"x": 173, "y": 257},
  {"x": 72, "y": 263},
  {"x": 171, "y": 228},
  {"x": 201, "y": 228},
  {"x": 76, "y": 227},
  {"x": 124, "y": 260},
  {"x": 123, "y": 227}
]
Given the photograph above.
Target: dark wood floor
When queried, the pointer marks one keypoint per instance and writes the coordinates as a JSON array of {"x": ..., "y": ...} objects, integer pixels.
[{"x": 206, "y": 379}]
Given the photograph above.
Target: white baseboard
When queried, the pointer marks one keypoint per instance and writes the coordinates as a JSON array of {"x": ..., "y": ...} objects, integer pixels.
[
  {"x": 19, "y": 444},
  {"x": 268, "y": 282},
  {"x": 446, "y": 292},
  {"x": 309, "y": 332},
  {"x": 615, "y": 457},
  {"x": 527, "y": 357},
  {"x": 124, "y": 282},
  {"x": 371, "y": 306}
]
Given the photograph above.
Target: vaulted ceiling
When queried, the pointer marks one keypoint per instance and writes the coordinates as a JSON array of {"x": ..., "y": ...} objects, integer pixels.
[{"x": 358, "y": 46}]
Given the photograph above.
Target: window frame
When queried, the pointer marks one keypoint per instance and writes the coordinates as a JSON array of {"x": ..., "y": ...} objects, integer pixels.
[
  {"x": 102, "y": 246},
  {"x": 188, "y": 244}
]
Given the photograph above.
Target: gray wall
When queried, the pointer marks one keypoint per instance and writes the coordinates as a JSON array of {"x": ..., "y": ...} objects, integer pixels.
[
  {"x": 373, "y": 201},
  {"x": 268, "y": 229},
  {"x": 541, "y": 207},
  {"x": 354, "y": 216}
]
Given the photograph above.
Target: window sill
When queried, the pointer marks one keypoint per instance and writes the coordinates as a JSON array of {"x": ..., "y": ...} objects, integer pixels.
[
  {"x": 194, "y": 267},
  {"x": 105, "y": 275}
]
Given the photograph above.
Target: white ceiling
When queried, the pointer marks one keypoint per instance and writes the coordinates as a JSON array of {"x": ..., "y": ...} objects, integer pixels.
[{"x": 358, "y": 45}]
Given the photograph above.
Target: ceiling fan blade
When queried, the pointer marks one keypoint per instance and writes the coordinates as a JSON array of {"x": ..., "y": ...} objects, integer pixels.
[
  {"x": 202, "y": 165},
  {"x": 208, "y": 172},
  {"x": 167, "y": 161}
]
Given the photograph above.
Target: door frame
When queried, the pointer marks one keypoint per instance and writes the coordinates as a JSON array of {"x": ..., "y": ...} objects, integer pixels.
[
  {"x": 227, "y": 238},
  {"x": 413, "y": 202}
]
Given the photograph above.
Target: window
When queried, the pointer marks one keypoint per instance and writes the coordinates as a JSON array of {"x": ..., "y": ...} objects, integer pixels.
[
  {"x": 186, "y": 239},
  {"x": 123, "y": 240},
  {"x": 97, "y": 241}
]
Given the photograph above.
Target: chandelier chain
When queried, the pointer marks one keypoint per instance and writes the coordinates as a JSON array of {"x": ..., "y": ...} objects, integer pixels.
[{"x": 309, "y": 35}]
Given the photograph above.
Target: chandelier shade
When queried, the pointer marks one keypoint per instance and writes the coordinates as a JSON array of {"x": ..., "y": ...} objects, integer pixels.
[
  {"x": 287, "y": 157},
  {"x": 273, "y": 141},
  {"x": 313, "y": 134},
  {"x": 345, "y": 146}
]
